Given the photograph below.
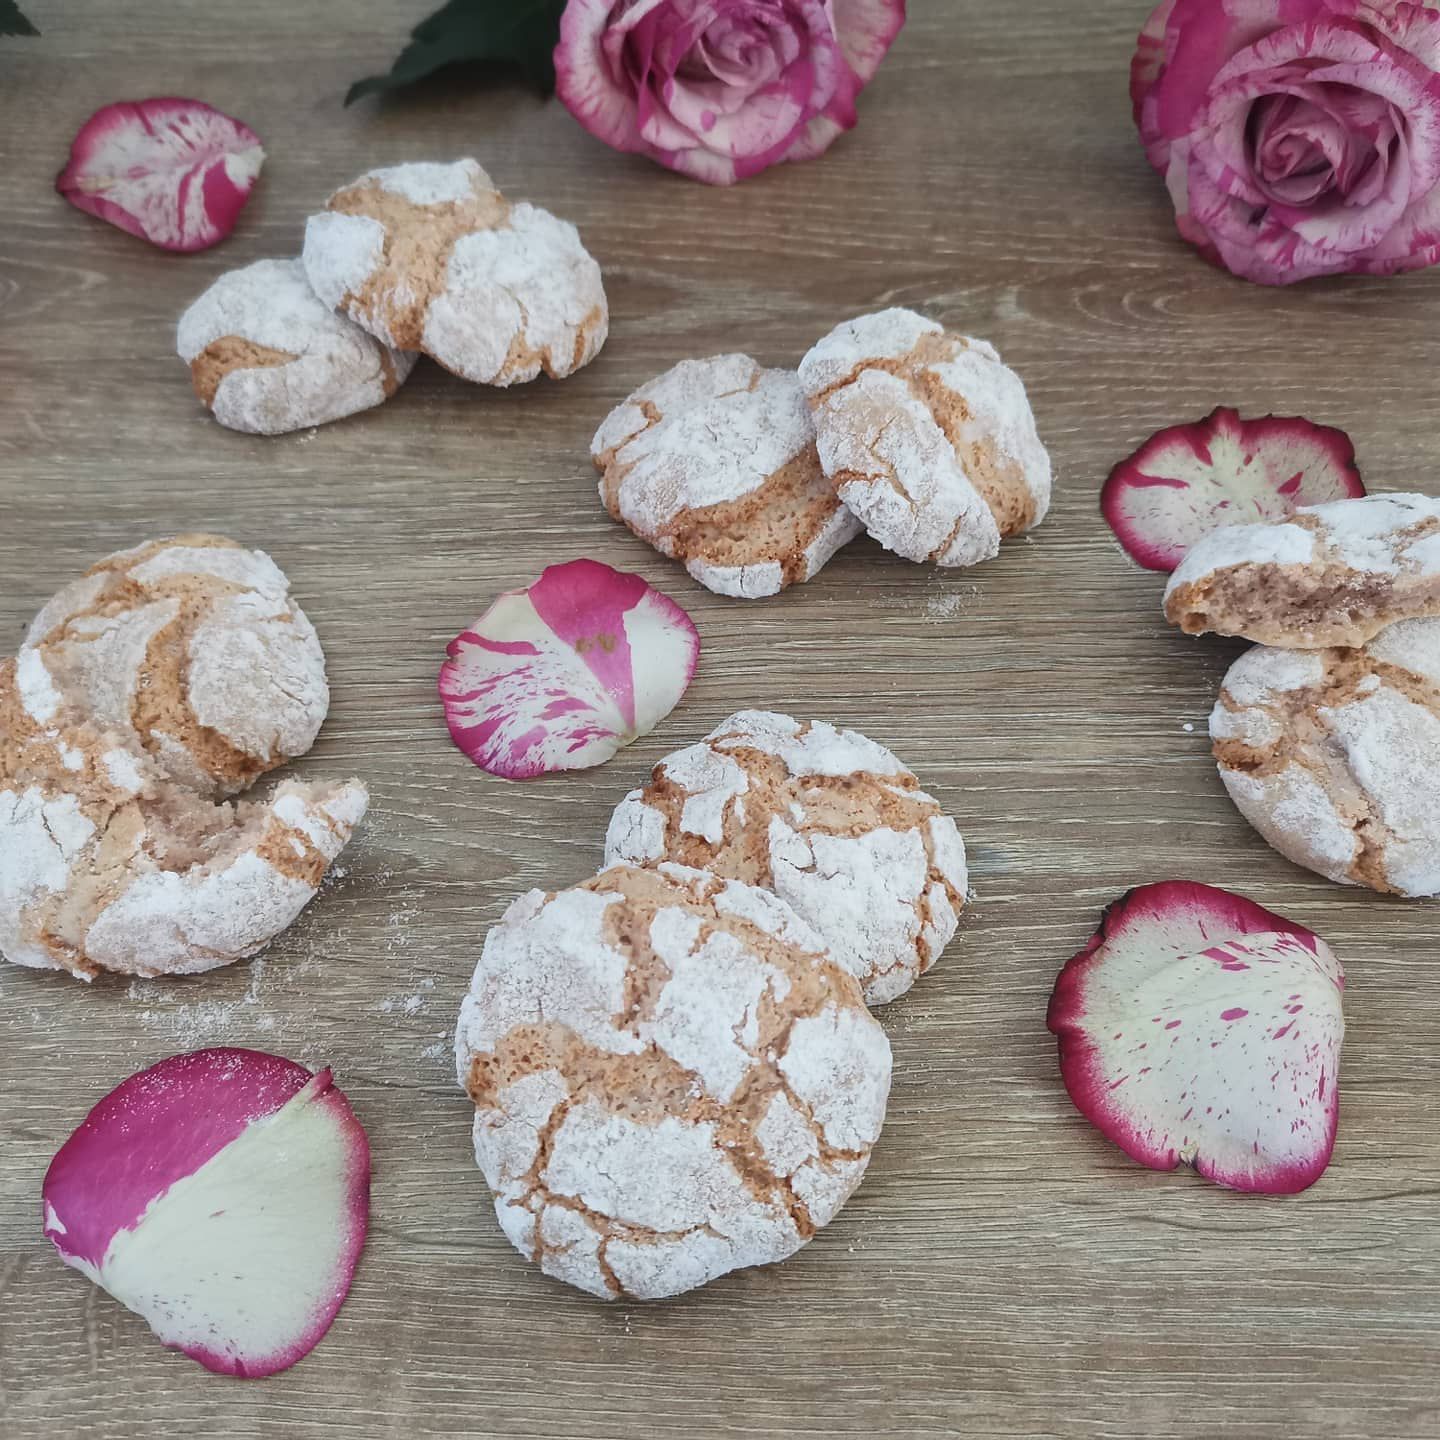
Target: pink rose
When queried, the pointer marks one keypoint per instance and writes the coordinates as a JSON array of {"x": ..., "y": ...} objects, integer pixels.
[
  {"x": 720, "y": 89},
  {"x": 1298, "y": 137}
]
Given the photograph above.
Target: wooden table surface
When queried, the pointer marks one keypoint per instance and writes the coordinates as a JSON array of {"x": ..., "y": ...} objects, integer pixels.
[{"x": 1003, "y": 1271}]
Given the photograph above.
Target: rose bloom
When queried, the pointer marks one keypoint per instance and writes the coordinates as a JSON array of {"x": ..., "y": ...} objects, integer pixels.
[
  {"x": 721, "y": 89},
  {"x": 1298, "y": 137}
]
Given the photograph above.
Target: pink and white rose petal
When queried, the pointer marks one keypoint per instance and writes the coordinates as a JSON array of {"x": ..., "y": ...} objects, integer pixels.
[
  {"x": 1198, "y": 1027},
  {"x": 224, "y": 1196},
  {"x": 565, "y": 674},
  {"x": 174, "y": 172},
  {"x": 1188, "y": 480}
]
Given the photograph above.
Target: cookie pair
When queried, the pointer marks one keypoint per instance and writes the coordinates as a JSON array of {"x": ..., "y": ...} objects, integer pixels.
[
  {"x": 754, "y": 478},
  {"x": 411, "y": 259},
  {"x": 674, "y": 1069},
  {"x": 165, "y": 680},
  {"x": 1328, "y": 733}
]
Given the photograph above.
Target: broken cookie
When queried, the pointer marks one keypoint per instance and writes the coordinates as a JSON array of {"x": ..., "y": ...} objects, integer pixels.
[{"x": 1331, "y": 575}]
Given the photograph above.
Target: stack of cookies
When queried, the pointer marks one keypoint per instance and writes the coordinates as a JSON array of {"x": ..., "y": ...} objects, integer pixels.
[
  {"x": 754, "y": 478},
  {"x": 674, "y": 1069},
  {"x": 1328, "y": 734},
  {"x": 413, "y": 259}
]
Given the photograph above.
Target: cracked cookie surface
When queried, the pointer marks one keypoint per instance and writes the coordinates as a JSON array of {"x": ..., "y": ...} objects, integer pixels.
[
  {"x": 672, "y": 1080},
  {"x": 190, "y": 648},
  {"x": 434, "y": 258},
  {"x": 830, "y": 821},
  {"x": 1331, "y": 575},
  {"x": 267, "y": 356},
  {"x": 1334, "y": 756},
  {"x": 714, "y": 464},
  {"x": 927, "y": 437}
]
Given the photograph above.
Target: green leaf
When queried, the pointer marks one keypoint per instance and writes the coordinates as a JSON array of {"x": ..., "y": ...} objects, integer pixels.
[
  {"x": 511, "y": 35},
  {"x": 12, "y": 22}
]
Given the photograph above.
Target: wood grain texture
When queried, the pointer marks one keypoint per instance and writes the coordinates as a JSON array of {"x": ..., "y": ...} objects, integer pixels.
[{"x": 1003, "y": 1271}]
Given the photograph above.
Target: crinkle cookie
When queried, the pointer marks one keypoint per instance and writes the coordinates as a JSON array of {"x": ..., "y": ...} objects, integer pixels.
[
  {"x": 191, "y": 649},
  {"x": 266, "y": 356},
  {"x": 1334, "y": 756},
  {"x": 714, "y": 464},
  {"x": 1333, "y": 574},
  {"x": 927, "y": 436},
  {"x": 833, "y": 823},
  {"x": 671, "y": 1080},
  {"x": 434, "y": 258},
  {"x": 107, "y": 865}
]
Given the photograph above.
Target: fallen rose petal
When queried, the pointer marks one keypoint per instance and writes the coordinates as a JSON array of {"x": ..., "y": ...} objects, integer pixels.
[
  {"x": 1197, "y": 1027},
  {"x": 564, "y": 674},
  {"x": 1188, "y": 480},
  {"x": 223, "y": 1196},
  {"x": 174, "y": 172}
]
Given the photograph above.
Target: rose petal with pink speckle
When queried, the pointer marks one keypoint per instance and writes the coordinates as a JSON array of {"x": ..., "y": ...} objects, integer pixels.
[
  {"x": 174, "y": 172},
  {"x": 1188, "y": 480},
  {"x": 1198, "y": 1027},
  {"x": 565, "y": 674}
]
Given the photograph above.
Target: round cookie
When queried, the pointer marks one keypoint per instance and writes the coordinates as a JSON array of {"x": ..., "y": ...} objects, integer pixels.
[
  {"x": 671, "y": 1080},
  {"x": 714, "y": 464},
  {"x": 266, "y": 356},
  {"x": 831, "y": 822},
  {"x": 1334, "y": 574},
  {"x": 927, "y": 437},
  {"x": 433, "y": 257},
  {"x": 1334, "y": 756},
  {"x": 106, "y": 865},
  {"x": 190, "y": 649}
]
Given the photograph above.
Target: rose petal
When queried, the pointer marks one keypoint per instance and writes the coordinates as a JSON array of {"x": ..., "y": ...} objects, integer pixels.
[
  {"x": 174, "y": 172},
  {"x": 1188, "y": 480},
  {"x": 1198, "y": 1027},
  {"x": 565, "y": 674}
]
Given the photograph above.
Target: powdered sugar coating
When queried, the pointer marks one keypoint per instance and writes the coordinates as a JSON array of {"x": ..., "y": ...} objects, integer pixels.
[
  {"x": 191, "y": 649},
  {"x": 268, "y": 356},
  {"x": 828, "y": 820},
  {"x": 1334, "y": 574},
  {"x": 1334, "y": 756},
  {"x": 664, "y": 1067},
  {"x": 432, "y": 257},
  {"x": 714, "y": 463},
  {"x": 928, "y": 438}
]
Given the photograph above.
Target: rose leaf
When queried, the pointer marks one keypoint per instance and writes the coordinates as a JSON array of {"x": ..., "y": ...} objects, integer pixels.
[
  {"x": 509, "y": 35},
  {"x": 13, "y": 21}
]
